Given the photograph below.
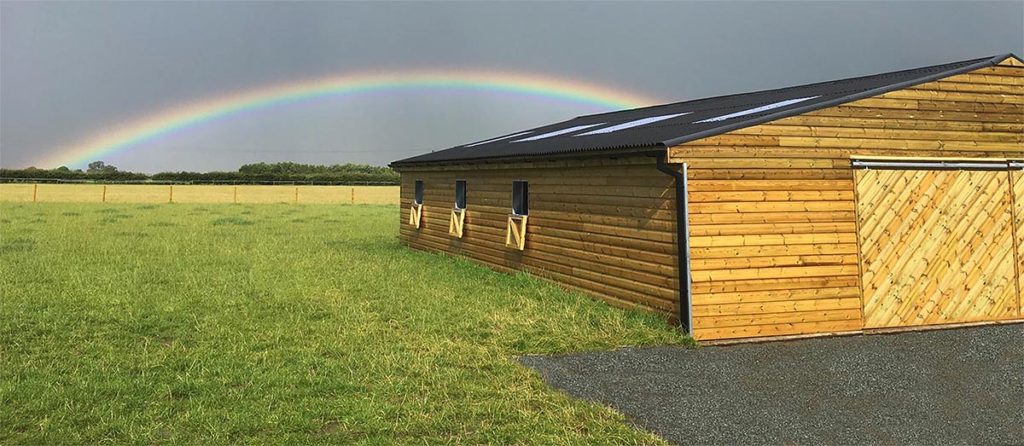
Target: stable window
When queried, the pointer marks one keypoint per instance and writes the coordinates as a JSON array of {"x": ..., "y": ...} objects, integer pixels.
[
  {"x": 520, "y": 198},
  {"x": 418, "y": 199},
  {"x": 515, "y": 235},
  {"x": 460, "y": 194},
  {"x": 416, "y": 209},
  {"x": 458, "y": 220}
]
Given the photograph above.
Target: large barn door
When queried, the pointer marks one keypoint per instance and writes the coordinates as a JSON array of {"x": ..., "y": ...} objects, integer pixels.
[{"x": 936, "y": 246}]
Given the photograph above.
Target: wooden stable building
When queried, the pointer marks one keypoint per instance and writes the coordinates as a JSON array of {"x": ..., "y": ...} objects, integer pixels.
[{"x": 893, "y": 200}]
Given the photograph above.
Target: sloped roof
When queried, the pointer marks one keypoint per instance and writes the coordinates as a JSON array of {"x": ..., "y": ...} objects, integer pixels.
[{"x": 672, "y": 124}]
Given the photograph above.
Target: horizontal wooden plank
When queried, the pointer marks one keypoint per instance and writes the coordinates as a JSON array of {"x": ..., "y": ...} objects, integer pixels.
[
  {"x": 835, "y": 195},
  {"x": 962, "y": 86},
  {"x": 935, "y": 105},
  {"x": 773, "y": 228},
  {"x": 780, "y": 206},
  {"x": 981, "y": 77},
  {"x": 733, "y": 286},
  {"x": 792, "y": 306},
  {"x": 781, "y": 295},
  {"x": 781, "y": 130},
  {"x": 775, "y": 272},
  {"x": 771, "y": 217},
  {"x": 767, "y": 163},
  {"x": 922, "y": 94},
  {"x": 783, "y": 329},
  {"x": 777, "y": 250},
  {"x": 1011, "y": 72},
  {"x": 770, "y": 174},
  {"x": 900, "y": 123},
  {"x": 727, "y": 264},
  {"x": 853, "y": 143},
  {"x": 840, "y": 156},
  {"x": 788, "y": 317},
  {"x": 862, "y": 111},
  {"x": 768, "y": 185}
]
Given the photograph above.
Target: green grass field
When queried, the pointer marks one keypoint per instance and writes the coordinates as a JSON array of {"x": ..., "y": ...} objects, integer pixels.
[{"x": 280, "y": 324}]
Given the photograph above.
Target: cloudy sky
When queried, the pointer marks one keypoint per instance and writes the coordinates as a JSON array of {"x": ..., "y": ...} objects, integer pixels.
[{"x": 72, "y": 72}]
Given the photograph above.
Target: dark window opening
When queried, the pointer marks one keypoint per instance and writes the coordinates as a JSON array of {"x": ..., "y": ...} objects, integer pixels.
[
  {"x": 520, "y": 198},
  {"x": 419, "y": 192},
  {"x": 460, "y": 194}
]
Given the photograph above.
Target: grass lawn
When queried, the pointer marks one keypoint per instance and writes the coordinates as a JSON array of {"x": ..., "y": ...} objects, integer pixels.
[{"x": 279, "y": 324}]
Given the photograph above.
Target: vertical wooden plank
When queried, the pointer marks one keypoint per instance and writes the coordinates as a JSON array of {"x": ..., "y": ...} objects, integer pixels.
[
  {"x": 1018, "y": 211},
  {"x": 860, "y": 246},
  {"x": 938, "y": 247},
  {"x": 35, "y": 192}
]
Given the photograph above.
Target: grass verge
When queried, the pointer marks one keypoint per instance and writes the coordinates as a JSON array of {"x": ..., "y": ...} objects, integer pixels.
[{"x": 279, "y": 324}]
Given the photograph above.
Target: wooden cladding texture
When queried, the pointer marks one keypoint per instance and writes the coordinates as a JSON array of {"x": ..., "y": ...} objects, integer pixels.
[
  {"x": 772, "y": 256},
  {"x": 773, "y": 211},
  {"x": 937, "y": 247},
  {"x": 978, "y": 114},
  {"x": 604, "y": 227}
]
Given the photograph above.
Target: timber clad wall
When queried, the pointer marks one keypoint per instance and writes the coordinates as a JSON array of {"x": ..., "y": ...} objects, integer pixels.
[
  {"x": 604, "y": 227},
  {"x": 772, "y": 256},
  {"x": 786, "y": 237},
  {"x": 803, "y": 274}
]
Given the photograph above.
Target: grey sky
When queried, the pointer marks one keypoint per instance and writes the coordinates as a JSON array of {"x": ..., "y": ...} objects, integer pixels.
[{"x": 70, "y": 70}]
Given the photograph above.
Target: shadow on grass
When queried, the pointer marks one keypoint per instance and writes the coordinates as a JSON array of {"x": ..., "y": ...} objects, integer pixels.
[{"x": 19, "y": 245}]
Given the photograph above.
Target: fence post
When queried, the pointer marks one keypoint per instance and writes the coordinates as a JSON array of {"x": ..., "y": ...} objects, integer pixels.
[
  {"x": 353, "y": 189},
  {"x": 35, "y": 191},
  {"x": 170, "y": 193},
  {"x": 236, "y": 195},
  {"x": 296, "y": 194},
  {"x": 104, "y": 193}
]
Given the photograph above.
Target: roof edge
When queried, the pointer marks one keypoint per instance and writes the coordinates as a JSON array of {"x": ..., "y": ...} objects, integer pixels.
[
  {"x": 650, "y": 150},
  {"x": 1010, "y": 56},
  {"x": 992, "y": 61}
]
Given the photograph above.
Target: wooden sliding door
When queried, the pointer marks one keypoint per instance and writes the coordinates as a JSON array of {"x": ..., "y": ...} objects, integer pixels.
[{"x": 937, "y": 246}]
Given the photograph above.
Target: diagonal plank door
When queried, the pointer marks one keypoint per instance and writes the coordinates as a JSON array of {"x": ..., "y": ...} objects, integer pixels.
[{"x": 936, "y": 247}]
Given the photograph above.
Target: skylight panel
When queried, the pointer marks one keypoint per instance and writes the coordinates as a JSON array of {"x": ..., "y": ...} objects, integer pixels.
[
  {"x": 757, "y": 109},
  {"x": 498, "y": 138},
  {"x": 559, "y": 132},
  {"x": 631, "y": 124}
]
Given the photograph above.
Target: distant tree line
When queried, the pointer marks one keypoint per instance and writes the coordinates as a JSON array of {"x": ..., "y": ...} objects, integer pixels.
[{"x": 258, "y": 173}]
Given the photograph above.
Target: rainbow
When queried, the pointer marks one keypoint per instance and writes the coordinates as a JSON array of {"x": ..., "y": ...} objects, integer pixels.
[{"x": 177, "y": 118}]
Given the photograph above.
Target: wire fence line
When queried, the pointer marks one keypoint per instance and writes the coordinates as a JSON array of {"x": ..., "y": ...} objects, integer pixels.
[
  {"x": 198, "y": 182},
  {"x": 197, "y": 193}
]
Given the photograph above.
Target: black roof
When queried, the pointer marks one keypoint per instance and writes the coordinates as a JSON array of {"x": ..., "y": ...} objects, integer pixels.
[{"x": 672, "y": 124}]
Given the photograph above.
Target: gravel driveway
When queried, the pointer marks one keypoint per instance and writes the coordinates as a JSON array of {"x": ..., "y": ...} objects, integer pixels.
[{"x": 962, "y": 386}]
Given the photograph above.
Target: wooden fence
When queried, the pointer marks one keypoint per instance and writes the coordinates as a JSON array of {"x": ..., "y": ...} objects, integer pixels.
[{"x": 135, "y": 193}]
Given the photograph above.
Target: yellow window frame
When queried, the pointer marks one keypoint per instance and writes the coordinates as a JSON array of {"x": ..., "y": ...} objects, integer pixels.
[{"x": 516, "y": 235}]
